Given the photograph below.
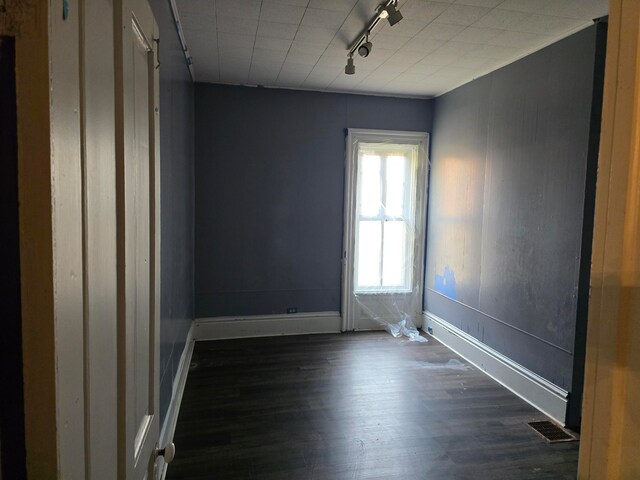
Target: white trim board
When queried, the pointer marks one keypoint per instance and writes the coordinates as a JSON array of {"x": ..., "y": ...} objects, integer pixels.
[
  {"x": 351, "y": 308},
  {"x": 218, "y": 328},
  {"x": 531, "y": 387},
  {"x": 179, "y": 382}
]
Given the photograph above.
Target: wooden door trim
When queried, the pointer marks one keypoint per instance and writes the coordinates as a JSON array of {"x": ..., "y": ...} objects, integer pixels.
[{"x": 608, "y": 447}]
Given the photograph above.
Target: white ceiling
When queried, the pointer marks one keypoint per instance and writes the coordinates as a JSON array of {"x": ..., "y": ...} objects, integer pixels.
[{"x": 438, "y": 46}]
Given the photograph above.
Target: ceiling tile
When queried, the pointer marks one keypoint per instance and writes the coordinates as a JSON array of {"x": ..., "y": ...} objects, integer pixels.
[
  {"x": 277, "y": 30},
  {"x": 374, "y": 84},
  {"x": 547, "y": 25},
  {"x": 423, "y": 68},
  {"x": 298, "y": 3},
  {"x": 408, "y": 57},
  {"x": 522, "y": 40},
  {"x": 308, "y": 33},
  {"x": 296, "y": 68},
  {"x": 456, "y": 48},
  {"x": 264, "y": 68},
  {"x": 524, "y": 5},
  {"x": 239, "y": 8},
  {"x": 317, "y": 17},
  {"x": 496, "y": 52},
  {"x": 317, "y": 82},
  {"x": 321, "y": 73},
  {"x": 380, "y": 75},
  {"x": 423, "y": 10},
  {"x": 238, "y": 52},
  {"x": 266, "y": 55},
  {"x": 386, "y": 41},
  {"x": 231, "y": 40},
  {"x": 331, "y": 62},
  {"x": 312, "y": 48},
  {"x": 344, "y": 6},
  {"x": 195, "y": 22},
  {"x": 440, "y": 31},
  {"x": 480, "y": 3},
  {"x": 462, "y": 15},
  {"x": 203, "y": 47},
  {"x": 336, "y": 48},
  {"x": 378, "y": 57},
  {"x": 503, "y": 19},
  {"x": 345, "y": 83},
  {"x": 261, "y": 79},
  {"x": 423, "y": 45},
  {"x": 199, "y": 7},
  {"x": 240, "y": 62},
  {"x": 400, "y": 64},
  {"x": 406, "y": 28},
  {"x": 308, "y": 60},
  {"x": 440, "y": 59},
  {"x": 282, "y": 13},
  {"x": 476, "y": 35},
  {"x": 270, "y": 43},
  {"x": 473, "y": 62},
  {"x": 241, "y": 26},
  {"x": 262, "y": 74}
]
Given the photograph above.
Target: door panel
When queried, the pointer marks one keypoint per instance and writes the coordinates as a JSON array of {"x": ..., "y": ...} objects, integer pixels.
[{"x": 138, "y": 247}]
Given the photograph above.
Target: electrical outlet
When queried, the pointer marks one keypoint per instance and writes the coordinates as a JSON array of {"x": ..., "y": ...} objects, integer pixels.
[{"x": 292, "y": 309}]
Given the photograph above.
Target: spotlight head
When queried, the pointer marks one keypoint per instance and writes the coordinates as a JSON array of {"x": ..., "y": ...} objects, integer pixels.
[
  {"x": 365, "y": 49},
  {"x": 350, "y": 68},
  {"x": 394, "y": 15}
]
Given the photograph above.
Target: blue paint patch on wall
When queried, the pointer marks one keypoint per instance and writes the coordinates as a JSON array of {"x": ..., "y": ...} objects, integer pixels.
[{"x": 446, "y": 284}]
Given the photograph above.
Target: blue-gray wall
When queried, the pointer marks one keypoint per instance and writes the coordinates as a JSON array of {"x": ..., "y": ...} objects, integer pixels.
[
  {"x": 177, "y": 194},
  {"x": 269, "y": 193},
  {"x": 510, "y": 153}
]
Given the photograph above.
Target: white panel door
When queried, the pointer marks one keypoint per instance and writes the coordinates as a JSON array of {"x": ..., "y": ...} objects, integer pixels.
[{"x": 138, "y": 203}]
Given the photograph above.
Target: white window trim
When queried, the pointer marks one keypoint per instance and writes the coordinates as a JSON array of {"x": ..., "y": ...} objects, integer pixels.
[{"x": 356, "y": 135}]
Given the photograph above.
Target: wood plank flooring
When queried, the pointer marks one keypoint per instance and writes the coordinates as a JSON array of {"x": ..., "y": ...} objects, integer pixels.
[{"x": 354, "y": 406}]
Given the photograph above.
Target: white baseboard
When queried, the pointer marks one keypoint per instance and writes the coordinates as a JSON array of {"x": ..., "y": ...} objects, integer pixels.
[
  {"x": 171, "y": 418},
  {"x": 217, "y": 328},
  {"x": 531, "y": 387}
]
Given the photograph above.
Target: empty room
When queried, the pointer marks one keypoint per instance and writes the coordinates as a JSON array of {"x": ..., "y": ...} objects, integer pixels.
[{"x": 320, "y": 239}]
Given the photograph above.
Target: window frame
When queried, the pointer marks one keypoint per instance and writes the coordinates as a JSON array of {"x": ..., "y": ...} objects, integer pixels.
[
  {"x": 351, "y": 311},
  {"x": 384, "y": 151}
]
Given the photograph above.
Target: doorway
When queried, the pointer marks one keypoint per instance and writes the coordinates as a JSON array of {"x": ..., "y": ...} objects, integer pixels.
[
  {"x": 11, "y": 417},
  {"x": 385, "y": 201}
]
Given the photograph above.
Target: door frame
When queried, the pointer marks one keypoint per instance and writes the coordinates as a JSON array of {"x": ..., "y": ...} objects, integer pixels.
[
  {"x": 356, "y": 135},
  {"x": 610, "y": 419}
]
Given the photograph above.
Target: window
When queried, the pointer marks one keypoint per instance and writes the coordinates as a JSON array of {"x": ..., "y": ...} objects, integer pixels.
[{"x": 385, "y": 217}]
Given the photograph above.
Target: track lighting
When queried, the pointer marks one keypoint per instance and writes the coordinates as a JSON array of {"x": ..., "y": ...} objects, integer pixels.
[
  {"x": 350, "y": 68},
  {"x": 394, "y": 16},
  {"x": 362, "y": 45},
  {"x": 365, "y": 48}
]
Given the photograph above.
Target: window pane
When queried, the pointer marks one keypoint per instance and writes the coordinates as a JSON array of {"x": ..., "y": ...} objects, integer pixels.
[
  {"x": 369, "y": 185},
  {"x": 396, "y": 171},
  {"x": 394, "y": 259},
  {"x": 369, "y": 246}
]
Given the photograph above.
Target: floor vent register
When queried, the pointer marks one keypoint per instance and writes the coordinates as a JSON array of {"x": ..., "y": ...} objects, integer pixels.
[{"x": 551, "y": 432}]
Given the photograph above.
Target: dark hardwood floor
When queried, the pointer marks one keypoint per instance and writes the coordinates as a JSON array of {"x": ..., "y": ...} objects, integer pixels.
[{"x": 354, "y": 406}]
